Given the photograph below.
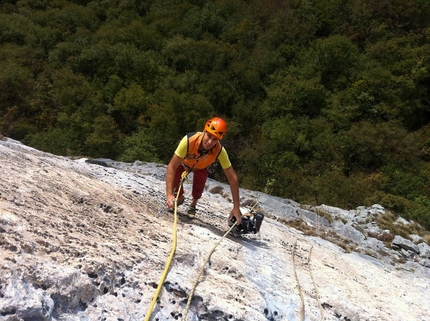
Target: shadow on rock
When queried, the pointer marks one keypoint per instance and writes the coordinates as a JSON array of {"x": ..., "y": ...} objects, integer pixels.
[{"x": 249, "y": 240}]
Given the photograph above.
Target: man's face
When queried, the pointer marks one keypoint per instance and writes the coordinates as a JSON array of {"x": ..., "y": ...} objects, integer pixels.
[{"x": 208, "y": 141}]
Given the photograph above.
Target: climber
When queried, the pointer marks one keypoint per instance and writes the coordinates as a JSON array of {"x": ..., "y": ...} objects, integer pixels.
[{"x": 196, "y": 152}]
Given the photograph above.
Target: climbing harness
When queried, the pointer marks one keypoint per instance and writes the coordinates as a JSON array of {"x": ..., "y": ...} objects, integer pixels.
[
  {"x": 172, "y": 252},
  {"x": 190, "y": 297}
]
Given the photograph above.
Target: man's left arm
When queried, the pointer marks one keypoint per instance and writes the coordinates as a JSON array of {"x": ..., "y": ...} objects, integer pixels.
[{"x": 234, "y": 188}]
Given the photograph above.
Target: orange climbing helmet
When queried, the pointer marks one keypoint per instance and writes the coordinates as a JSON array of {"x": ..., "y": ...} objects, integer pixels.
[{"x": 216, "y": 126}]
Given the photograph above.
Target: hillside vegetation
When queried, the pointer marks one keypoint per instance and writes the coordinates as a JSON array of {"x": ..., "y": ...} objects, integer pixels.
[{"x": 327, "y": 101}]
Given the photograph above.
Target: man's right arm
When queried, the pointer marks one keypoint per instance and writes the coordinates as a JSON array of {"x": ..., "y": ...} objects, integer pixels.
[{"x": 170, "y": 179}]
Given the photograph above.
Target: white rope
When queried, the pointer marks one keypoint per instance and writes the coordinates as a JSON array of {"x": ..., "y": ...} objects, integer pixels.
[
  {"x": 314, "y": 285},
  {"x": 302, "y": 310},
  {"x": 190, "y": 297},
  {"x": 308, "y": 262}
]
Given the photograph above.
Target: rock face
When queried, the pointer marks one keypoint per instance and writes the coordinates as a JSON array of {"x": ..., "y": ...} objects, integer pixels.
[{"x": 89, "y": 240}]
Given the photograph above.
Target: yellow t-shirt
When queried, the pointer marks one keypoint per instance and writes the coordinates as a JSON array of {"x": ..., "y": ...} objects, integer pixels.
[{"x": 182, "y": 150}]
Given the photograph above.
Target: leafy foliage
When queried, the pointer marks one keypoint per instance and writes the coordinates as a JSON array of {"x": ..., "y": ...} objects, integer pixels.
[{"x": 326, "y": 101}]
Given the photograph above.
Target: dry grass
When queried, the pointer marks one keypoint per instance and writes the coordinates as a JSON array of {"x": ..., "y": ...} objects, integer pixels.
[
  {"x": 319, "y": 211},
  {"x": 387, "y": 221},
  {"x": 324, "y": 214},
  {"x": 307, "y": 229}
]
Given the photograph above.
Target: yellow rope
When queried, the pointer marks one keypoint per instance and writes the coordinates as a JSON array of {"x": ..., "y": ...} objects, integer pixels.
[
  {"x": 172, "y": 252},
  {"x": 190, "y": 297}
]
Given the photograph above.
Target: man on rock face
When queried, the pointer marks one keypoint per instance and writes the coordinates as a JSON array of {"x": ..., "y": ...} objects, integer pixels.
[{"x": 196, "y": 152}]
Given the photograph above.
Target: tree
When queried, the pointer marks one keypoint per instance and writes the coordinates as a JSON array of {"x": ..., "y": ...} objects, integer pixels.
[
  {"x": 138, "y": 146},
  {"x": 130, "y": 105}
]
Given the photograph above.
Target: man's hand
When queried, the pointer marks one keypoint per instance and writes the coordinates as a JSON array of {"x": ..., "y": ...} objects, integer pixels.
[
  {"x": 237, "y": 214},
  {"x": 170, "y": 178},
  {"x": 170, "y": 201}
]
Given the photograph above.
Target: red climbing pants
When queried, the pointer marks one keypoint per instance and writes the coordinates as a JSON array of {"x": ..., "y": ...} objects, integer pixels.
[{"x": 199, "y": 180}]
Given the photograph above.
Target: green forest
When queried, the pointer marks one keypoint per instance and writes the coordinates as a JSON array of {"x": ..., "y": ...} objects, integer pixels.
[{"x": 327, "y": 101}]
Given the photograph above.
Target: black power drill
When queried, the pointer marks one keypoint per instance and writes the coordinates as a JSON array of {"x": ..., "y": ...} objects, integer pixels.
[{"x": 249, "y": 224}]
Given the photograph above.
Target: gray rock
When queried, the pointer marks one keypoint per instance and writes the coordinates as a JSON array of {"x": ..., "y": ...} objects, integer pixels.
[
  {"x": 415, "y": 238},
  {"x": 348, "y": 232},
  {"x": 402, "y": 221},
  {"x": 405, "y": 244},
  {"x": 425, "y": 263},
  {"x": 84, "y": 242},
  {"x": 424, "y": 250},
  {"x": 20, "y": 299}
]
